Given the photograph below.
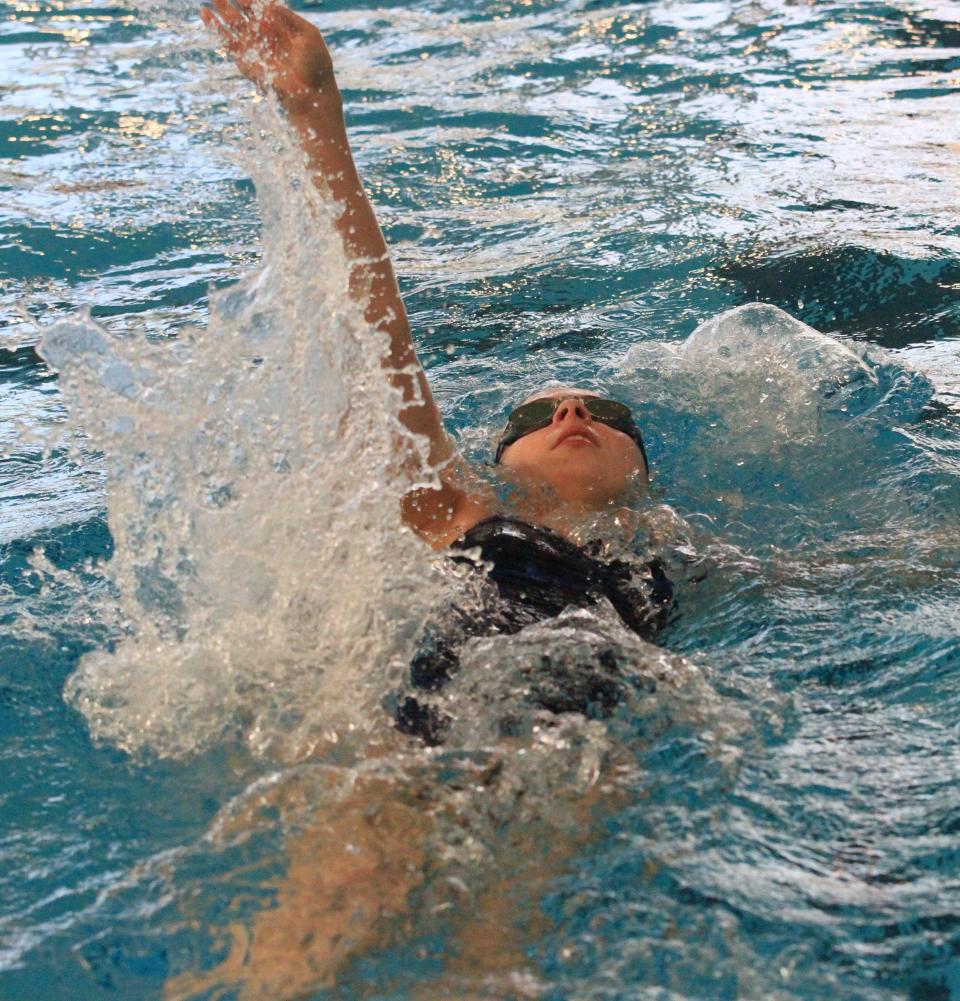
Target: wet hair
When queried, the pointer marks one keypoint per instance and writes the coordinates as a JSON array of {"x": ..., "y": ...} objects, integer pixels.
[{"x": 549, "y": 391}]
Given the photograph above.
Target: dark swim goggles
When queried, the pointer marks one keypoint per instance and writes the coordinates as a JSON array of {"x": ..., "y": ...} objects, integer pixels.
[{"x": 537, "y": 414}]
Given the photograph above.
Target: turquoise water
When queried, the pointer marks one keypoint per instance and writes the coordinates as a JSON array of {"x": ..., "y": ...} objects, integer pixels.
[{"x": 570, "y": 189}]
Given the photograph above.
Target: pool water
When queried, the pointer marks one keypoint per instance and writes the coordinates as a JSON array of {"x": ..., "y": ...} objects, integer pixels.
[{"x": 579, "y": 191}]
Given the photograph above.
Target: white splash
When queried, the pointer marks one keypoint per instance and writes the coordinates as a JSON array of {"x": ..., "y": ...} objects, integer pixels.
[
  {"x": 265, "y": 579},
  {"x": 769, "y": 376}
]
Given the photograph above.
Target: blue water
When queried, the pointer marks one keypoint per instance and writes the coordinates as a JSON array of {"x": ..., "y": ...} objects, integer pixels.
[{"x": 560, "y": 183}]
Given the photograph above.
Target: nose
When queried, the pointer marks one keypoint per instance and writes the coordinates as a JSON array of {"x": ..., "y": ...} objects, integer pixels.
[{"x": 571, "y": 410}]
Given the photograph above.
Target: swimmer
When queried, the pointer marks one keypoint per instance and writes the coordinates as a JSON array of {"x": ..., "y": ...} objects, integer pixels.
[{"x": 577, "y": 466}]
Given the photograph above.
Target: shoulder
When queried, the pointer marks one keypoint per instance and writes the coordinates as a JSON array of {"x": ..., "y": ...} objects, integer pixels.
[{"x": 442, "y": 515}]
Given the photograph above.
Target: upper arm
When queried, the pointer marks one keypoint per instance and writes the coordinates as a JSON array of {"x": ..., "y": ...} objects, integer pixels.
[{"x": 442, "y": 514}]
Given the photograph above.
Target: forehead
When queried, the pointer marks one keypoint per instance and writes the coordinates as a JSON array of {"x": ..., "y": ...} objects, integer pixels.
[{"x": 553, "y": 392}]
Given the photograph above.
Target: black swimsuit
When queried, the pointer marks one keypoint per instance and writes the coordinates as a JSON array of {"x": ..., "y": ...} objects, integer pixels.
[{"x": 535, "y": 574}]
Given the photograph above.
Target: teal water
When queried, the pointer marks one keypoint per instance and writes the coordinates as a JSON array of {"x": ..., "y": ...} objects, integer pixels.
[{"x": 570, "y": 189}]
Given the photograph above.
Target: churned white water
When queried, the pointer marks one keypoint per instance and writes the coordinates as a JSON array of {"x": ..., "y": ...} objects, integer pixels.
[{"x": 263, "y": 576}]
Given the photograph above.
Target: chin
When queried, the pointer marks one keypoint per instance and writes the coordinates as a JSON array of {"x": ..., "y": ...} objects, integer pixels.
[
  {"x": 587, "y": 492},
  {"x": 577, "y": 482}
]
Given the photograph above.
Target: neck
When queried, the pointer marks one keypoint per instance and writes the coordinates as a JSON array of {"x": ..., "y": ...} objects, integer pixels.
[{"x": 578, "y": 522}]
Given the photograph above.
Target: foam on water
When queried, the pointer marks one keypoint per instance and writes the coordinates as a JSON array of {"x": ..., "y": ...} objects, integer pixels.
[
  {"x": 264, "y": 577},
  {"x": 773, "y": 379},
  {"x": 775, "y": 422}
]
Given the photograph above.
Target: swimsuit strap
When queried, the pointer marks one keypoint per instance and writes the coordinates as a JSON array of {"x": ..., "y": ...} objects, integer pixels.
[{"x": 544, "y": 569}]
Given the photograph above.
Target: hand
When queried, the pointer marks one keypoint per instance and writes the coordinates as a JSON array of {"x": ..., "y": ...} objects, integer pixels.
[{"x": 273, "y": 47}]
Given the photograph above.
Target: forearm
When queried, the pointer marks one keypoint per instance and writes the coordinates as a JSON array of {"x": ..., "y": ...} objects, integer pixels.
[
  {"x": 322, "y": 130},
  {"x": 281, "y": 51}
]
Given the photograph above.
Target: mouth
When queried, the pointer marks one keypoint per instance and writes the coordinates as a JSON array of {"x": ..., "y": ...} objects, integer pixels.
[{"x": 577, "y": 436}]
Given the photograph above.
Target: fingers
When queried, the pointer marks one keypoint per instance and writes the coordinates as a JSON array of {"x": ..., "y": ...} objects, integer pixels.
[
  {"x": 239, "y": 23},
  {"x": 229, "y": 14},
  {"x": 227, "y": 36},
  {"x": 216, "y": 23},
  {"x": 269, "y": 12},
  {"x": 286, "y": 18},
  {"x": 262, "y": 38},
  {"x": 232, "y": 28}
]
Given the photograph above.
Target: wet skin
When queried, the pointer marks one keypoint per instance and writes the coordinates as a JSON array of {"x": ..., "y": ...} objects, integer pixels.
[{"x": 280, "y": 51}]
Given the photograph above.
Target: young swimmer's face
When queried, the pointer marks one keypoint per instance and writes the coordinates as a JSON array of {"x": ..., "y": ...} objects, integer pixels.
[{"x": 580, "y": 459}]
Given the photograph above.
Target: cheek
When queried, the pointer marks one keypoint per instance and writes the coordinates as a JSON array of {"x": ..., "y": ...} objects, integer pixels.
[
  {"x": 625, "y": 459},
  {"x": 526, "y": 451}
]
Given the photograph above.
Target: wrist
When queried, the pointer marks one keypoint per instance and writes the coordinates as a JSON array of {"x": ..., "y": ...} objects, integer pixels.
[{"x": 312, "y": 104}]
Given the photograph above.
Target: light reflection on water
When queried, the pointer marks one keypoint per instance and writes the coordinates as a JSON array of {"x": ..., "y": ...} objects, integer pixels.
[{"x": 559, "y": 183}]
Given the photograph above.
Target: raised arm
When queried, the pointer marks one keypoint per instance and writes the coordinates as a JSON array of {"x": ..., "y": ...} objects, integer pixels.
[{"x": 279, "y": 50}]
